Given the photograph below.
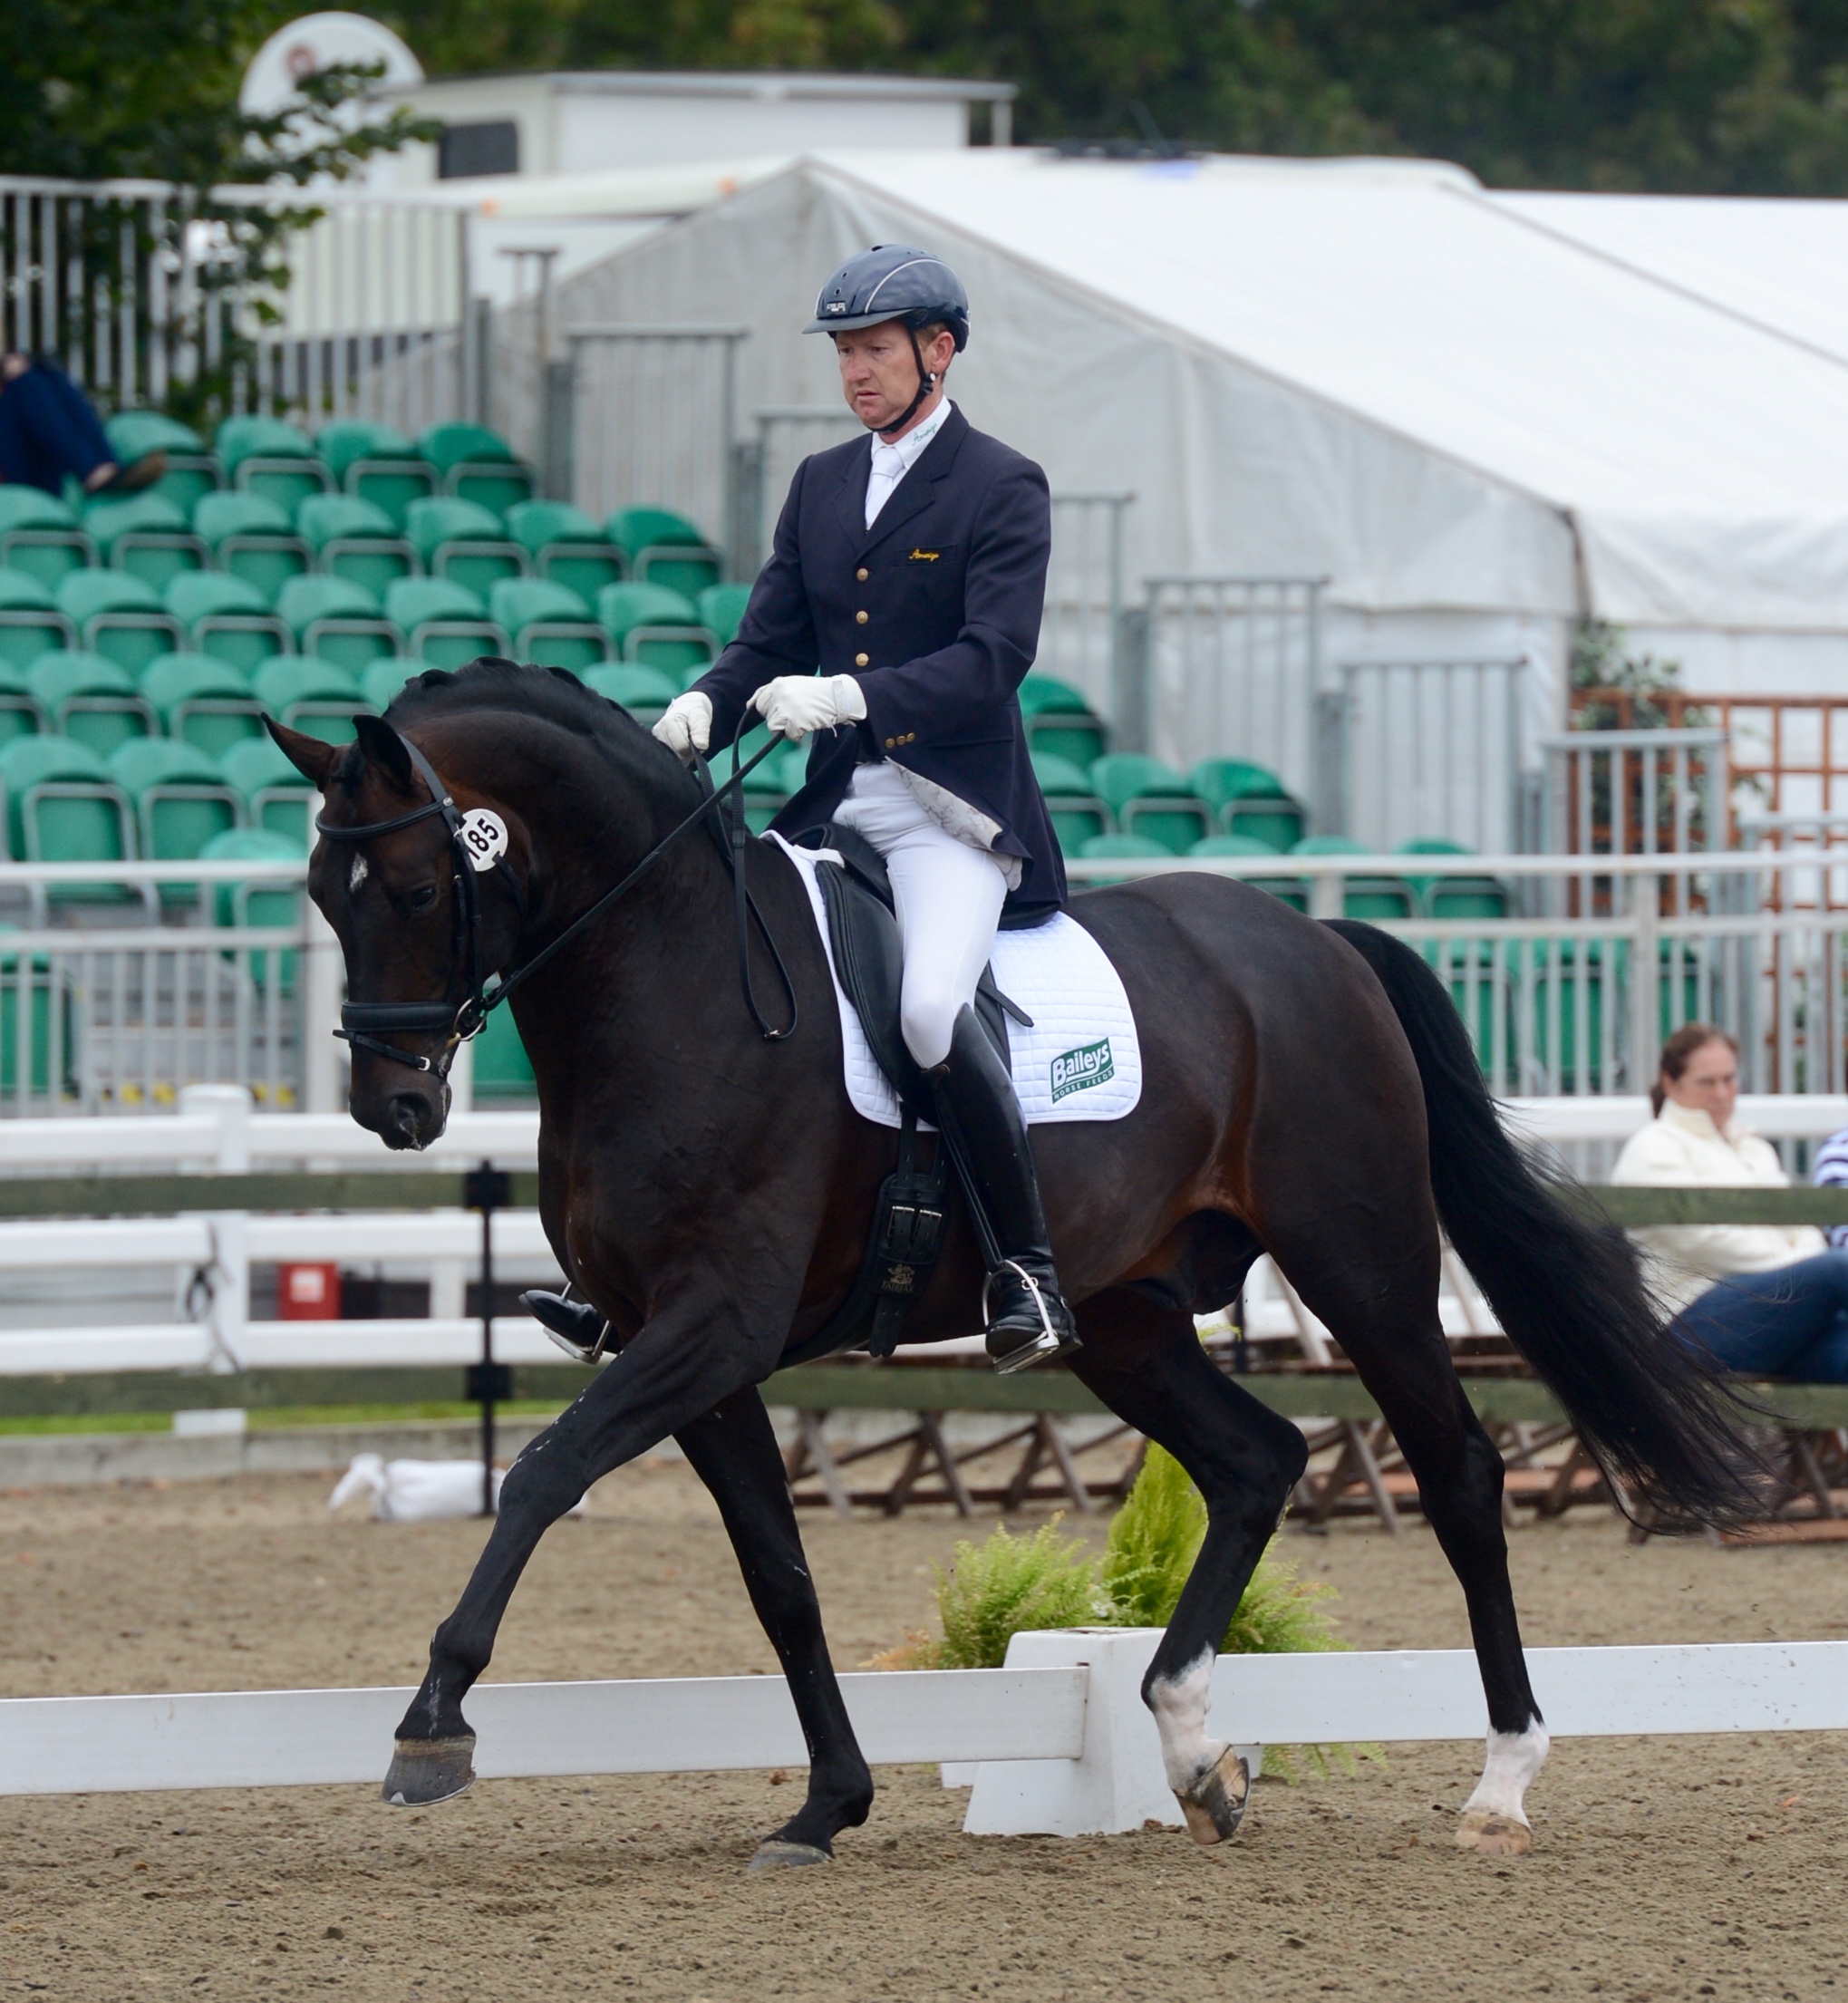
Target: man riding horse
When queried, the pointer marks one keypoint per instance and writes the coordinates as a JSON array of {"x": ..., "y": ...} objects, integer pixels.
[{"x": 914, "y": 572}]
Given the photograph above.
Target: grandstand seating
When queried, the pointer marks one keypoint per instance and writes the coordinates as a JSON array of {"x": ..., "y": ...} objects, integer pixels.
[
  {"x": 253, "y": 538},
  {"x": 1151, "y": 799},
  {"x": 1058, "y": 720},
  {"x": 183, "y": 800},
  {"x": 146, "y": 535},
  {"x": 64, "y": 806},
  {"x": 313, "y": 695},
  {"x": 191, "y": 470},
  {"x": 41, "y": 536},
  {"x": 460, "y": 540},
  {"x": 30, "y": 621},
  {"x": 475, "y": 464},
  {"x": 661, "y": 548},
  {"x": 644, "y": 691},
  {"x": 548, "y": 623},
  {"x": 1247, "y": 799},
  {"x": 1289, "y": 890},
  {"x": 338, "y": 620},
  {"x": 202, "y": 702},
  {"x": 1078, "y": 814},
  {"x": 118, "y": 616},
  {"x": 721, "y": 608},
  {"x": 445, "y": 622},
  {"x": 1454, "y": 897},
  {"x": 1362, "y": 896},
  {"x": 266, "y": 456},
  {"x": 91, "y": 701},
  {"x": 353, "y": 537},
  {"x": 374, "y": 463},
  {"x": 658, "y": 626},
  {"x": 566, "y": 547},
  {"x": 1121, "y": 849},
  {"x": 21, "y": 712},
  {"x": 225, "y": 616},
  {"x": 275, "y": 796}
]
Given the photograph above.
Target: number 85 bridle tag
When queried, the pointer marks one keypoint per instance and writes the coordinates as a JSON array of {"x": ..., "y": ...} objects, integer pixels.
[{"x": 483, "y": 837}]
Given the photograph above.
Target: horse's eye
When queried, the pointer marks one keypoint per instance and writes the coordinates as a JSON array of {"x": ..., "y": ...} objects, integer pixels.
[{"x": 422, "y": 898}]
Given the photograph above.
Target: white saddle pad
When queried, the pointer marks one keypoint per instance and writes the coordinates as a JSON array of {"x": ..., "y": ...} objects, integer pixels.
[{"x": 1081, "y": 1059}]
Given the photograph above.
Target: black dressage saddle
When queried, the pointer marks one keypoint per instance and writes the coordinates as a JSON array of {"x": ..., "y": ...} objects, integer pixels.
[{"x": 908, "y": 1217}]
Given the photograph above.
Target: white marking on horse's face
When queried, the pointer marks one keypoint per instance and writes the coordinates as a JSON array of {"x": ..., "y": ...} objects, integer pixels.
[
  {"x": 1513, "y": 1759},
  {"x": 356, "y": 876},
  {"x": 1180, "y": 1706}
]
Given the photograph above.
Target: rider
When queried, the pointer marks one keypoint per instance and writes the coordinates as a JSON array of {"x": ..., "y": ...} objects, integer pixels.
[{"x": 910, "y": 568}]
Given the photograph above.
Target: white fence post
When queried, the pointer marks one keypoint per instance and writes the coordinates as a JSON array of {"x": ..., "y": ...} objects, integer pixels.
[
  {"x": 324, "y": 981},
  {"x": 226, "y": 1278}
]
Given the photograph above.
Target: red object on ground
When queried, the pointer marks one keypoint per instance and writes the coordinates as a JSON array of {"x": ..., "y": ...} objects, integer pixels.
[{"x": 308, "y": 1292}]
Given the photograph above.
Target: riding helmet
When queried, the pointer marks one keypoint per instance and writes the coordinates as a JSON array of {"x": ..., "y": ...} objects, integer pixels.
[{"x": 893, "y": 282}]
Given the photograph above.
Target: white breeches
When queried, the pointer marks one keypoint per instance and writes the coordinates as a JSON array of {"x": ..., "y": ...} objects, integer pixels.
[{"x": 948, "y": 897}]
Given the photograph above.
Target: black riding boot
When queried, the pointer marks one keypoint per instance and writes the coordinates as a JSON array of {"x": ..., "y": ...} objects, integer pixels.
[
  {"x": 576, "y": 1327},
  {"x": 1028, "y": 1320}
]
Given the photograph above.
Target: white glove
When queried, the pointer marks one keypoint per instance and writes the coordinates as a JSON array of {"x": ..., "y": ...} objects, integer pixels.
[
  {"x": 795, "y": 704},
  {"x": 685, "y": 726}
]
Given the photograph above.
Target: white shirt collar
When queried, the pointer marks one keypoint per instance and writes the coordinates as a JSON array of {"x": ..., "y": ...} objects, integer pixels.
[{"x": 911, "y": 447}]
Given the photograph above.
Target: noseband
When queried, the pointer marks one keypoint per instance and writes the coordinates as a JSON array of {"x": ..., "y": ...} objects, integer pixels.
[{"x": 360, "y": 1021}]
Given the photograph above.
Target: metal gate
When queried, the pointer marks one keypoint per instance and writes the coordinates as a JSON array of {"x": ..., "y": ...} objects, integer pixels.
[
  {"x": 1084, "y": 597},
  {"x": 1431, "y": 749},
  {"x": 654, "y": 415}
]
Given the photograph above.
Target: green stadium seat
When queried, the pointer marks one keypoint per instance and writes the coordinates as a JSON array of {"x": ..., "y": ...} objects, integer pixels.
[
  {"x": 1121, "y": 849},
  {"x": 1247, "y": 799},
  {"x": 477, "y": 465},
  {"x": 444, "y": 622},
  {"x": 253, "y": 538},
  {"x": 565, "y": 545},
  {"x": 548, "y": 624},
  {"x": 266, "y": 456},
  {"x": 462, "y": 541},
  {"x": 227, "y": 617},
  {"x": 63, "y": 807},
  {"x": 338, "y": 620},
  {"x": 275, "y": 796},
  {"x": 1058, "y": 719},
  {"x": 146, "y": 535},
  {"x": 203, "y": 702},
  {"x": 644, "y": 691},
  {"x": 1454, "y": 897},
  {"x": 118, "y": 616},
  {"x": 501, "y": 1068},
  {"x": 661, "y": 548},
  {"x": 30, "y": 622},
  {"x": 181, "y": 800},
  {"x": 381, "y": 684},
  {"x": 1078, "y": 814},
  {"x": 41, "y": 536},
  {"x": 374, "y": 463},
  {"x": 191, "y": 470},
  {"x": 1362, "y": 896},
  {"x": 353, "y": 538},
  {"x": 91, "y": 701},
  {"x": 1288, "y": 890},
  {"x": 657, "y": 626},
  {"x": 37, "y": 1052},
  {"x": 312, "y": 695},
  {"x": 774, "y": 784},
  {"x": 721, "y": 608},
  {"x": 1151, "y": 799},
  {"x": 21, "y": 712},
  {"x": 263, "y": 902}
]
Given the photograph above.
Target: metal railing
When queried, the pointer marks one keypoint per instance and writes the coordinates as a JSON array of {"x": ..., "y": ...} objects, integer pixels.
[
  {"x": 787, "y": 434},
  {"x": 140, "y": 291},
  {"x": 1080, "y": 635},
  {"x": 1431, "y": 748}
]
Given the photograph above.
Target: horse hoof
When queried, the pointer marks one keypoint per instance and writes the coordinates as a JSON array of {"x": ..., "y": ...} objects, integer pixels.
[
  {"x": 428, "y": 1770},
  {"x": 1489, "y": 1835},
  {"x": 778, "y": 1853},
  {"x": 1215, "y": 1804}
]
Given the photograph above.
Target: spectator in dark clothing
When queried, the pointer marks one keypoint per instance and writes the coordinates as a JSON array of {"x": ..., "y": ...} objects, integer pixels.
[{"x": 48, "y": 432}]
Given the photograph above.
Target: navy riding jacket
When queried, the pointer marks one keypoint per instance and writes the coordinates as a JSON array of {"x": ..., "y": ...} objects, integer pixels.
[{"x": 934, "y": 611}]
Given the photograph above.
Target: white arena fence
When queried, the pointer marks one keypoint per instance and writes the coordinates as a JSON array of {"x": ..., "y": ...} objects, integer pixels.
[
  {"x": 1058, "y": 1742},
  {"x": 211, "y": 1253},
  {"x": 1570, "y": 994}
]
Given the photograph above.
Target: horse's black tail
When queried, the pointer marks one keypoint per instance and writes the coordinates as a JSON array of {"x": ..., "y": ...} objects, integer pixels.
[{"x": 1567, "y": 1289}]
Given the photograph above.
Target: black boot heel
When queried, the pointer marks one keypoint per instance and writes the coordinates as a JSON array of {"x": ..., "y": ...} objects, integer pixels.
[{"x": 578, "y": 1329}]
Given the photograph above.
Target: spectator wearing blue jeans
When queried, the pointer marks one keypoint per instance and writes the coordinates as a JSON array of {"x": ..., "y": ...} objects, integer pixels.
[
  {"x": 48, "y": 433},
  {"x": 1765, "y": 1300}
]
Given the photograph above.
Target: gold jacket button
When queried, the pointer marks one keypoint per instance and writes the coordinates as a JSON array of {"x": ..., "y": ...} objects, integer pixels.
[
  {"x": 861, "y": 660},
  {"x": 890, "y": 742},
  {"x": 860, "y": 618},
  {"x": 862, "y": 574}
]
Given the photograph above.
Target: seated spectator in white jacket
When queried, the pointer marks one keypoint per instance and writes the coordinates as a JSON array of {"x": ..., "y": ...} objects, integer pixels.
[{"x": 1765, "y": 1300}]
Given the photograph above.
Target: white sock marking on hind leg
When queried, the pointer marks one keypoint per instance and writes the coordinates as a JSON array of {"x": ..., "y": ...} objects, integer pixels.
[
  {"x": 1180, "y": 1704},
  {"x": 1513, "y": 1759}
]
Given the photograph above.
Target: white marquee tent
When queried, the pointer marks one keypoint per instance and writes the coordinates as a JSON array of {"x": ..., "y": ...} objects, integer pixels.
[{"x": 1479, "y": 417}]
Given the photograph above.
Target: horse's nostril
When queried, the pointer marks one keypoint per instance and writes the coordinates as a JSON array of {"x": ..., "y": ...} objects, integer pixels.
[{"x": 408, "y": 1115}]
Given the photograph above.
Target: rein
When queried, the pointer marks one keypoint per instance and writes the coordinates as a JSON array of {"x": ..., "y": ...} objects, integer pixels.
[{"x": 360, "y": 1019}]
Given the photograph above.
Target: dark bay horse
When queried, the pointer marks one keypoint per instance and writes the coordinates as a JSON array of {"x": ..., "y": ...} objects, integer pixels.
[{"x": 1308, "y": 1091}]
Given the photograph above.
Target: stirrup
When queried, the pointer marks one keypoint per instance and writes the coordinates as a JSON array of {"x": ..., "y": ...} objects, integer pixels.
[
  {"x": 1039, "y": 1348},
  {"x": 557, "y": 1316}
]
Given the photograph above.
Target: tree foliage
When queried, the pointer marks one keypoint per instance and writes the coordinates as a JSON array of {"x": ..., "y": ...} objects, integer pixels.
[{"x": 1735, "y": 96}]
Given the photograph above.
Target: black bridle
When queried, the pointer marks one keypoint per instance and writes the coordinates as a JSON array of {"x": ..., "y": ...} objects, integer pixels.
[{"x": 361, "y": 1022}]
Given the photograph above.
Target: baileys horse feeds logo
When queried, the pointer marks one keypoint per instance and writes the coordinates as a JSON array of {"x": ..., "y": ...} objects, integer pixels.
[{"x": 1077, "y": 1070}]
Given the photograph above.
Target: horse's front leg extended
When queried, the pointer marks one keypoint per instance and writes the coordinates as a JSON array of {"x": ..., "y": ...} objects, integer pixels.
[
  {"x": 734, "y": 1451},
  {"x": 679, "y": 1365}
]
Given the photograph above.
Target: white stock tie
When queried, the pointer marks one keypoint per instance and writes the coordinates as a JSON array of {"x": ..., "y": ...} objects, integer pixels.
[{"x": 888, "y": 470}]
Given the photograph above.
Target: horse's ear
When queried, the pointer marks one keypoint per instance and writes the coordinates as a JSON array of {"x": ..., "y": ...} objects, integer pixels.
[
  {"x": 385, "y": 749},
  {"x": 310, "y": 757}
]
